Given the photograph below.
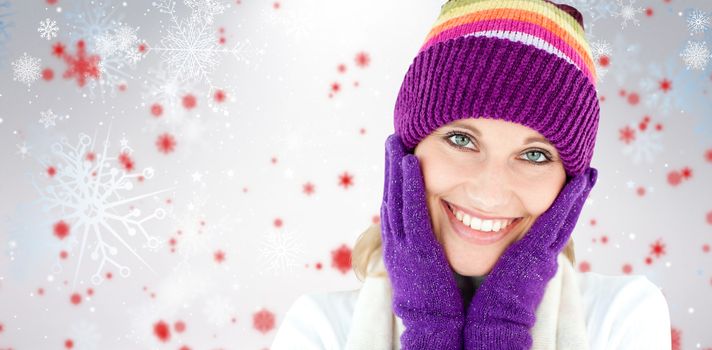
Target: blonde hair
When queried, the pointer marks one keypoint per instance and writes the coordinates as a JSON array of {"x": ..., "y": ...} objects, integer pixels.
[{"x": 367, "y": 252}]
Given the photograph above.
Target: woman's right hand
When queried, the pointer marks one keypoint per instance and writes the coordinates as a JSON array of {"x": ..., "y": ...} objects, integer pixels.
[{"x": 425, "y": 293}]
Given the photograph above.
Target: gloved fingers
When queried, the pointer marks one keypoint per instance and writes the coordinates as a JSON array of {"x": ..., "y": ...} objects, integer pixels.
[
  {"x": 385, "y": 227},
  {"x": 416, "y": 217},
  {"x": 395, "y": 150},
  {"x": 591, "y": 176},
  {"x": 548, "y": 229}
]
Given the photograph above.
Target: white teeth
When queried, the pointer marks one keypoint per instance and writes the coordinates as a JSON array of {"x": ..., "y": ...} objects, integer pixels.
[{"x": 482, "y": 225}]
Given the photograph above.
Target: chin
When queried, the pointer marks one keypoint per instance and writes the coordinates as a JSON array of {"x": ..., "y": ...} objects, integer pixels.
[{"x": 469, "y": 261}]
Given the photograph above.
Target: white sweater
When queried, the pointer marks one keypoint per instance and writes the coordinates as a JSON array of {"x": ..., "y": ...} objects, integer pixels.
[{"x": 621, "y": 312}]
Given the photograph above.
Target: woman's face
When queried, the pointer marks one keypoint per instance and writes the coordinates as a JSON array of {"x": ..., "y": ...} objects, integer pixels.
[{"x": 489, "y": 168}]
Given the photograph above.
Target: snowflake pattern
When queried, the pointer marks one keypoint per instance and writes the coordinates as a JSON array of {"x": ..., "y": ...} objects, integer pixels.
[
  {"x": 189, "y": 48},
  {"x": 48, "y": 118},
  {"x": 643, "y": 146},
  {"x": 206, "y": 10},
  {"x": 280, "y": 252},
  {"x": 698, "y": 22},
  {"x": 88, "y": 193},
  {"x": 26, "y": 69},
  {"x": 119, "y": 50},
  {"x": 48, "y": 29},
  {"x": 628, "y": 13},
  {"x": 89, "y": 19},
  {"x": 4, "y": 25},
  {"x": 696, "y": 55}
]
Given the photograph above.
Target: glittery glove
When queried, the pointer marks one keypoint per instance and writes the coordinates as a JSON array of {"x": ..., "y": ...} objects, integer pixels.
[
  {"x": 503, "y": 310},
  {"x": 425, "y": 293}
]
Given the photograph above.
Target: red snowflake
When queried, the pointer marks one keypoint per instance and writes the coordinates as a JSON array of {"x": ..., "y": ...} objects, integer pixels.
[
  {"x": 220, "y": 96},
  {"x": 308, "y": 188},
  {"x": 58, "y": 49},
  {"x": 162, "y": 331},
  {"x": 61, "y": 229},
  {"x": 627, "y": 134},
  {"x": 126, "y": 161},
  {"x": 346, "y": 180},
  {"x": 219, "y": 256},
  {"x": 674, "y": 178},
  {"x": 676, "y": 335},
  {"x": 708, "y": 155},
  {"x": 584, "y": 266},
  {"x": 686, "y": 173},
  {"x": 362, "y": 59},
  {"x": 263, "y": 321},
  {"x": 341, "y": 258},
  {"x": 665, "y": 85},
  {"x": 156, "y": 110},
  {"x": 633, "y": 98},
  {"x": 657, "y": 249},
  {"x": 166, "y": 143},
  {"x": 604, "y": 61},
  {"x": 81, "y": 66}
]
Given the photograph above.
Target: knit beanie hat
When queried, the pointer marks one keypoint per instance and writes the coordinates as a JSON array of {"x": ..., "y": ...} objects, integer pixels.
[{"x": 523, "y": 61}]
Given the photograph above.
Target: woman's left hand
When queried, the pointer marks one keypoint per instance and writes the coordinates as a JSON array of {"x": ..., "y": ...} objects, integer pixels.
[{"x": 504, "y": 308}]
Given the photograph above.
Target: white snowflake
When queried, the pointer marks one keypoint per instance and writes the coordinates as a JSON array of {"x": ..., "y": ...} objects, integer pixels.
[
  {"x": 89, "y": 19},
  {"x": 645, "y": 146},
  {"x": 190, "y": 48},
  {"x": 696, "y": 55},
  {"x": 48, "y": 29},
  {"x": 48, "y": 118},
  {"x": 698, "y": 22},
  {"x": 118, "y": 49},
  {"x": 280, "y": 252},
  {"x": 628, "y": 13},
  {"x": 23, "y": 149},
  {"x": 26, "y": 69},
  {"x": 89, "y": 194},
  {"x": 219, "y": 310},
  {"x": 601, "y": 48},
  {"x": 206, "y": 10}
]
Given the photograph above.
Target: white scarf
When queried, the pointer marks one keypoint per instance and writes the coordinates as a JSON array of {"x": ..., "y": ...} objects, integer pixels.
[{"x": 560, "y": 322}]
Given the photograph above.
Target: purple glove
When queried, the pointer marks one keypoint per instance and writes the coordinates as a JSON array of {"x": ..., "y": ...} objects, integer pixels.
[
  {"x": 425, "y": 293},
  {"x": 504, "y": 308}
]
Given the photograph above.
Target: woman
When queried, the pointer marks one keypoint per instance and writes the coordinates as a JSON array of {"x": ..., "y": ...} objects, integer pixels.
[{"x": 486, "y": 175}]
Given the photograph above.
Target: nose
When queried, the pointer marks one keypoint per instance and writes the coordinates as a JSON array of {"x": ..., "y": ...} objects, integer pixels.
[{"x": 488, "y": 187}]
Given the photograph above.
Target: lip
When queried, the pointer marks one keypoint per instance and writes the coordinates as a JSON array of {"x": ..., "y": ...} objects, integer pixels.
[{"x": 475, "y": 236}]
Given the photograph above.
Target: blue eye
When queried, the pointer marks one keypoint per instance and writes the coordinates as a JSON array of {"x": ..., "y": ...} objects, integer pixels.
[
  {"x": 461, "y": 140},
  {"x": 533, "y": 160}
]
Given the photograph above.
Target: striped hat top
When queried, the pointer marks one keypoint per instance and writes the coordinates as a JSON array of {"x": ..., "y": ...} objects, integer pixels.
[{"x": 524, "y": 61}]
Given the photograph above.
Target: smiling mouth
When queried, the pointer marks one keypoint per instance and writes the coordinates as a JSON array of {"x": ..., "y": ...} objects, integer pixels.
[{"x": 475, "y": 236}]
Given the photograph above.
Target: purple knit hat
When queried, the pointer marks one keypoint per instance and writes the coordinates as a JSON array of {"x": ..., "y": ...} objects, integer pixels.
[{"x": 523, "y": 61}]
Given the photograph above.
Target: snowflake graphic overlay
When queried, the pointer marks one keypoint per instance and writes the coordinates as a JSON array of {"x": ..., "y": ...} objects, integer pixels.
[
  {"x": 88, "y": 192},
  {"x": 696, "y": 55},
  {"x": 280, "y": 252},
  {"x": 628, "y": 13},
  {"x": 190, "y": 47},
  {"x": 26, "y": 69},
  {"x": 4, "y": 25},
  {"x": 698, "y": 22},
  {"x": 48, "y": 29}
]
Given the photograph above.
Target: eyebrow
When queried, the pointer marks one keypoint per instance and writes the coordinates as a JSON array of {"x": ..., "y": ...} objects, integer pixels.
[{"x": 526, "y": 141}]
